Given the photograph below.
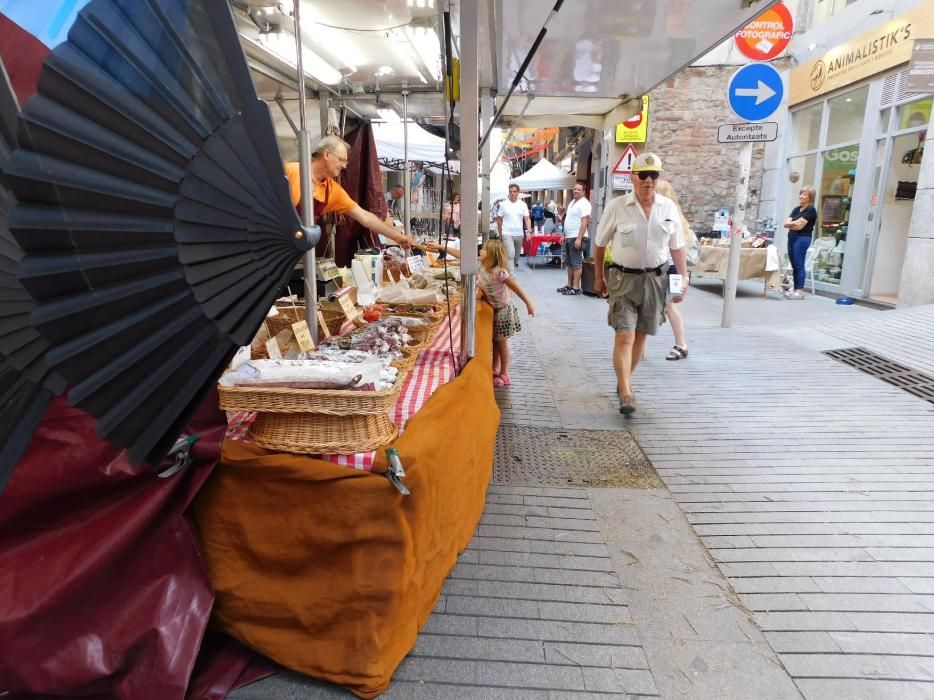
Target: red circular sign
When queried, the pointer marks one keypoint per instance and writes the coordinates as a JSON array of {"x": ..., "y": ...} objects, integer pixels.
[
  {"x": 633, "y": 122},
  {"x": 767, "y": 35}
]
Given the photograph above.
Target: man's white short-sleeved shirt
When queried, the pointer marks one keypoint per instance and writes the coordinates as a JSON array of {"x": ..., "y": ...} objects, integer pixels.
[
  {"x": 577, "y": 210},
  {"x": 640, "y": 242},
  {"x": 513, "y": 214}
]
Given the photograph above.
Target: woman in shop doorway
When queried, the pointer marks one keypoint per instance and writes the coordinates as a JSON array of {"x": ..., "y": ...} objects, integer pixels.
[
  {"x": 680, "y": 349},
  {"x": 800, "y": 225},
  {"x": 452, "y": 217}
]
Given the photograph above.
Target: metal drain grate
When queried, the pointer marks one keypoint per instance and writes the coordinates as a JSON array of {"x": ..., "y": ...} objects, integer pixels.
[
  {"x": 591, "y": 458},
  {"x": 911, "y": 380}
]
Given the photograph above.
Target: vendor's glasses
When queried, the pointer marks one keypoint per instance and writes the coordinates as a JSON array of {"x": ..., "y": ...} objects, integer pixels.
[{"x": 643, "y": 174}]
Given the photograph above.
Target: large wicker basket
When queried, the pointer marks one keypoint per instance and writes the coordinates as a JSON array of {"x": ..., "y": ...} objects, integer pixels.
[
  {"x": 315, "y": 433},
  {"x": 330, "y": 402}
]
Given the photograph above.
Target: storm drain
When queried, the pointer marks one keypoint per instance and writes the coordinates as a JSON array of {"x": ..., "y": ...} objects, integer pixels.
[
  {"x": 911, "y": 380},
  {"x": 589, "y": 458}
]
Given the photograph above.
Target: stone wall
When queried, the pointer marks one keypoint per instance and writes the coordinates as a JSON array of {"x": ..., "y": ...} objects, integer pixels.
[{"x": 684, "y": 114}]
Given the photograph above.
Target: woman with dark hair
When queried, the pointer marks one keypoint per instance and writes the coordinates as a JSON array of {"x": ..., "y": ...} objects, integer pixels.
[{"x": 800, "y": 225}]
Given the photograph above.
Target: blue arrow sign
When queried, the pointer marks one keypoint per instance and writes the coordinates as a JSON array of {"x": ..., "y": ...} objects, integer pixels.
[{"x": 755, "y": 92}]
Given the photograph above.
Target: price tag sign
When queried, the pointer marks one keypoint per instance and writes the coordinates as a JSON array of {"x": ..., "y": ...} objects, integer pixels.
[
  {"x": 242, "y": 355},
  {"x": 416, "y": 264},
  {"x": 348, "y": 307},
  {"x": 303, "y": 336},
  {"x": 323, "y": 325},
  {"x": 272, "y": 349}
]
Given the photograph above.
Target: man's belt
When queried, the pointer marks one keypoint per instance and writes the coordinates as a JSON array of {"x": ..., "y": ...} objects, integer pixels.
[{"x": 638, "y": 270}]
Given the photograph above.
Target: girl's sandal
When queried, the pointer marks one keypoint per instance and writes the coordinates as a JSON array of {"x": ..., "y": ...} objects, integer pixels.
[
  {"x": 498, "y": 380},
  {"x": 505, "y": 379}
]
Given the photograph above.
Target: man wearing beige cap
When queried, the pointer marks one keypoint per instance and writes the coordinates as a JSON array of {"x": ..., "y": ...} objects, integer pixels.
[{"x": 644, "y": 227}]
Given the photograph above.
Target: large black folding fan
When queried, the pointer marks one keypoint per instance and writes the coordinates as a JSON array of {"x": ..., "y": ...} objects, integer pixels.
[{"x": 153, "y": 211}]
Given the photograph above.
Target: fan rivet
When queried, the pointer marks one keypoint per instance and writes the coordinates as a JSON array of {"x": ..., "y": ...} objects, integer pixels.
[{"x": 299, "y": 235}]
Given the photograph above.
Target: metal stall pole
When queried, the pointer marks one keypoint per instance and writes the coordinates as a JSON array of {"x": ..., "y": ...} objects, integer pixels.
[
  {"x": 486, "y": 112},
  {"x": 736, "y": 237},
  {"x": 470, "y": 115},
  {"x": 407, "y": 198},
  {"x": 304, "y": 169}
]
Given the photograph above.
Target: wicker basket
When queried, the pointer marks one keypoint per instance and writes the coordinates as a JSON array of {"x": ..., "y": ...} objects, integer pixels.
[
  {"x": 310, "y": 433},
  {"x": 329, "y": 402},
  {"x": 289, "y": 314}
]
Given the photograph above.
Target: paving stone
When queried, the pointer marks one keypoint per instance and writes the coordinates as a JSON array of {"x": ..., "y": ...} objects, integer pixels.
[
  {"x": 609, "y": 680},
  {"x": 454, "y": 647},
  {"x": 804, "y": 642},
  {"x": 889, "y": 666},
  {"x": 862, "y": 689},
  {"x": 532, "y": 676},
  {"x": 884, "y": 643},
  {"x": 600, "y": 655},
  {"x": 591, "y": 633},
  {"x": 420, "y": 690}
]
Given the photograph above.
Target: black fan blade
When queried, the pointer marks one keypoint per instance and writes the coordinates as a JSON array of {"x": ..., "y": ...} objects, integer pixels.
[
  {"x": 26, "y": 383},
  {"x": 22, "y": 405}
]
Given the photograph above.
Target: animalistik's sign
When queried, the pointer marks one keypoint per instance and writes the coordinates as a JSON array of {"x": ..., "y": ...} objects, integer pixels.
[{"x": 883, "y": 48}]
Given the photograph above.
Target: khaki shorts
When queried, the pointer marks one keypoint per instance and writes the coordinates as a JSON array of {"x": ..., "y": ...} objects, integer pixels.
[{"x": 637, "y": 302}]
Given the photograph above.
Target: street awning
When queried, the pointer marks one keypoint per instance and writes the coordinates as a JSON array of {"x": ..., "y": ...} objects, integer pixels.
[{"x": 544, "y": 176}]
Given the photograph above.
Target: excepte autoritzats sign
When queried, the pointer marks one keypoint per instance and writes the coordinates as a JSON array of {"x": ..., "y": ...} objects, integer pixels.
[{"x": 742, "y": 133}]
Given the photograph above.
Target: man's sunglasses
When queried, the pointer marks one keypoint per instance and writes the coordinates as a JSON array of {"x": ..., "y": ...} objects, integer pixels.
[{"x": 643, "y": 174}]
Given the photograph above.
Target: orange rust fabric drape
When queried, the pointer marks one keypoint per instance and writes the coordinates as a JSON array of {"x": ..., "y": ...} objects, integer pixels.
[{"x": 330, "y": 571}]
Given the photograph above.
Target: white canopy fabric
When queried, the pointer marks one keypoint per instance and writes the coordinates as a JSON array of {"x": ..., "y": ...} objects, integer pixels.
[
  {"x": 544, "y": 176},
  {"x": 390, "y": 139}
]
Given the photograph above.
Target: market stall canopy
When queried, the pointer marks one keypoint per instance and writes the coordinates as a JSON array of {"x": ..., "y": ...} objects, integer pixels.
[
  {"x": 597, "y": 59},
  {"x": 544, "y": 176},
  {"x": 422, "y": 145},
  {"x": 599, "y": 54}
]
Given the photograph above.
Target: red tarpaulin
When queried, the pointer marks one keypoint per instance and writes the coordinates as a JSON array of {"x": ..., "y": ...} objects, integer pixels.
[{"x": 102, "y": 588}]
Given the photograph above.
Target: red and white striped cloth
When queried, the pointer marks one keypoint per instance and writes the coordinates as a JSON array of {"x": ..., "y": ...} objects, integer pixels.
[{"x": 433, "y": 368}]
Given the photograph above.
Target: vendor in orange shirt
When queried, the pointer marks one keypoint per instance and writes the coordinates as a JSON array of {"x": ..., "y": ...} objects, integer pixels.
[{"x": 327, "y": 161}]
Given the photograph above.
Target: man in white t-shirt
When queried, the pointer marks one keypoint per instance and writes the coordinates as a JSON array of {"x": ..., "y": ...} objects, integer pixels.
[
  {"x": 576, "y": 238},
  {"x": 512, "y": 220}
]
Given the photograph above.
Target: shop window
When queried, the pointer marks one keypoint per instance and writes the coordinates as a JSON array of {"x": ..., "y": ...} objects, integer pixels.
[
  {"x": 806, "y": 128},
  {"x": 847, "y": 113},
  {"x": 915, "y": 114},
  {"x": 884, "y": 121},
  {"x": 823, "y": 10},
  {"x": 833, "y": 211}
]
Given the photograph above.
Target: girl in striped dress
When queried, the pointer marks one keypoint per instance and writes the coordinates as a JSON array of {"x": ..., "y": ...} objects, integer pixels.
[{"x": 495, "y": 283}]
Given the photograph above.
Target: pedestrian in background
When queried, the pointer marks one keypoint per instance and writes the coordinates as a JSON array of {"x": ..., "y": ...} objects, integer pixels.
[
  {"x": 800, "y": 225},
  {"x": 672, "y": 310},
  {"x": 513, "y": 220},
  {"x": 576, "y": 239},
  {"x": 452, "y": 217},
  {"x": 645, "y": 228}
]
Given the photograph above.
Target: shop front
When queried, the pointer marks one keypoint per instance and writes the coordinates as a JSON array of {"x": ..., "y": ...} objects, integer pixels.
[{"x": 857, "y": 138}]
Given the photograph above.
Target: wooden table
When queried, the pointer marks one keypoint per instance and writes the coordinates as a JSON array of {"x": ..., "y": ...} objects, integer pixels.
[{"x": 714, "y": 260}]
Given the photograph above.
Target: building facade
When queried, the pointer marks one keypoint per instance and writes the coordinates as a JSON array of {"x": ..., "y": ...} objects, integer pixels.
[
  {"x": 857, "y": 134},
  {"x": 849, "y": 127}
]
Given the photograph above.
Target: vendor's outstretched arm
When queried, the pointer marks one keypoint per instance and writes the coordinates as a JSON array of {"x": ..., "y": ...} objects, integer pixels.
[
  {"x": 373, "y": 223},
  {"x": 452, "y": 251}
]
